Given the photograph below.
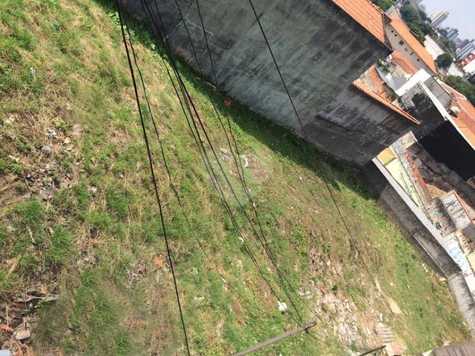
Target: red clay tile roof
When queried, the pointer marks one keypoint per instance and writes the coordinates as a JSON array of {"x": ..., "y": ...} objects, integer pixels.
[
  {"x": 399, "y": 59},
  {"x": 401, "y": 28},
  {"x": 359, "y": 84},
  {"x": 366, "y": 14},
  {"x": 375, "y": 83},
  {"x": 465, "y": 121}
]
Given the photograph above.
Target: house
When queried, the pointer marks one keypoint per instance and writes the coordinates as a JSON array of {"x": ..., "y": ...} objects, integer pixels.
[
  {"x": 408, "y": 56},
  {"x": 401, "y": 39}
]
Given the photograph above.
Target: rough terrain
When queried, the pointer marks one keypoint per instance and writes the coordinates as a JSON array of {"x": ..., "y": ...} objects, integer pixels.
[{"x": 82, "y": 261}]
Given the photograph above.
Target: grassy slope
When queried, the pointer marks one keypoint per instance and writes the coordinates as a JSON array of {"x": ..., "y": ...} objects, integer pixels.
[{"x": 98, "y": 242}]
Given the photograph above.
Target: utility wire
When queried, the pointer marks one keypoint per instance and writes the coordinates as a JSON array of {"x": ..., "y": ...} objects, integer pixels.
[
  {"x": 188, "y": 101},
  {"x": 260, "y": 238},
  {"x": 217, "y": 186},
  {"x": 153, "y": 177},
  {"x": 237, "y": 161},
  {"x": 353, "y": 244},
  {"x": 152, "y": 117},
  {"x": 204, "y": 255},
  {"x": 284, "y": 84}
]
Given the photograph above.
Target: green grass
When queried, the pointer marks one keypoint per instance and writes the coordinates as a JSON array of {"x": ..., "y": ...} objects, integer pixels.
[{"x": 99, "y": 242}]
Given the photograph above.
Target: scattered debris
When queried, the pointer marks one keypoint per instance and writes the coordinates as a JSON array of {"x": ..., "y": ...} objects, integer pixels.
[
  {"x": 246, "y": 162},
  {"x": 22, "y": 332},
  {"x": 47, "y": 150},
  {"x": 51, "y": 133},
  {"x": 393, "y": 306},
  {"x": 282, "y": 307},
  {"x": 77, "y": 131},
  {"x": 136, "y": 273},
  {"x": 5, "y": 328},
  {"x": 228, "y": 102},
  {"x": 159, "y": 262}
]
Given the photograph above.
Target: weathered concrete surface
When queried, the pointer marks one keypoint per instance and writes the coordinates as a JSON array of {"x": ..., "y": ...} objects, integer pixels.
[{"x": 320, "y": 50}]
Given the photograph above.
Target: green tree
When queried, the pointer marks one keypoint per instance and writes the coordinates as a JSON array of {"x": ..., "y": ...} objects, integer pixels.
[
  {"x": 417, "y": 22},
  {"x": 410, "y": 14},
  {"x": 384, "y": 4},
  {"x": 444, "y": 60},
  {"x": 463, "y": 86}
]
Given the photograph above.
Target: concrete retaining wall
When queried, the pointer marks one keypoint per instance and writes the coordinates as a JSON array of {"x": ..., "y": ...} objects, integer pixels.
[{"x": 320, "y": 50}]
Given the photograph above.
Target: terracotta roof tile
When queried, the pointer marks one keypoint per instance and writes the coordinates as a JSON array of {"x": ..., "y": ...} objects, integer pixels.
[
  {"x": 366, "y": 14},
  {"x": 465, "y": 121},
  {"x": 399, "y": 59},
  {"x": 401, "y": 28},
  {"x": 359, "y": 84}
]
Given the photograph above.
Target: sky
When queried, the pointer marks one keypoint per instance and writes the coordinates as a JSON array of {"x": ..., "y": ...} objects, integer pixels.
[{"x": 462, "y": 14}]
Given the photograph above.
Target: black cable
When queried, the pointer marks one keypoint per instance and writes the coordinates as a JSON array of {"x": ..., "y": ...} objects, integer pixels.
[
  {"x": 284, "y": 84},
  {"x": 154, "y": 180},
  {"x": 353, "y": 244},
  {"x": 188, "y": 101},
  {"x": 215, "y": 182},
  {"x": 188, "y": 33},
  {"x": 152, "y": 117},
  {"x": 262, "y": 240},
  {"x": 204, "y": 255},
  {"x": 237, "y": 160}
]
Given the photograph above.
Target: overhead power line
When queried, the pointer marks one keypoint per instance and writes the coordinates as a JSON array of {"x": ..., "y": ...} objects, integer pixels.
[
  {"x": 353, "y": 244},
  {"x": 188, "y": 101},
  {"x": 237, "y": 161},
  {"x": 153, "y": 177}
]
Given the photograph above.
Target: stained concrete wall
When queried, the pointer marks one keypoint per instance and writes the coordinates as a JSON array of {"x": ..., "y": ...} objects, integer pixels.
[{"x": 320, "y": 50}]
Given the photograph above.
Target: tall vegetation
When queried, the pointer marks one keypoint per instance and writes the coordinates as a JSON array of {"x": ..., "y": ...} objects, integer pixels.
[
  {"x": 463, "y": 86},
  {"x": 444, "y": 60},
  {"x": 417, "y": 21},
  {"x": 384, "y": 4}
]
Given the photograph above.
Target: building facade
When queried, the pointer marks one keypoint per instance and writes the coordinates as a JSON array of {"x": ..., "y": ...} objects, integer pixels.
[
  {"x": 464, "y": 51},
  {"x": 439, "y": 17}
]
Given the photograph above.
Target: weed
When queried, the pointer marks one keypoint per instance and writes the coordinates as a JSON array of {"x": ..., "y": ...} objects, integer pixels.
[
  {"x": 99, "y": 220},
  {"x": 3, "y": 166},
  {"x": 60, "y": 246},
  {"x": 118, "y": 202},
  {"x": 30, "y": 214}
]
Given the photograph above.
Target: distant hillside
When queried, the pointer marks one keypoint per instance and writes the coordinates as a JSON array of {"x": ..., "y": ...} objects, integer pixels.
[{"x": 82, "y": 259}]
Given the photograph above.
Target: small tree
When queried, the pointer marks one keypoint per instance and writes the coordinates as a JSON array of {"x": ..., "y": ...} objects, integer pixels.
[
  {"x": 444, "y": 60},
  {"x": 384, "y": 4},
  {"x": 463, "y": 86}
]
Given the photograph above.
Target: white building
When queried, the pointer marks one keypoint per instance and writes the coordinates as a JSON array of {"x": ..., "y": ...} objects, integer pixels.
[{"x": 439, "y": 17}]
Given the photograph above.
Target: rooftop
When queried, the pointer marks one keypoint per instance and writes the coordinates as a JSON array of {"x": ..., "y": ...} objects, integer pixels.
[
  {"x": 465, "y": 120},
  {"x": 401, "y": 28},
  {"x": 399, "y": 59},
  {"x": 366, "y": 14},
  {"x": 373, "y": 86}
]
